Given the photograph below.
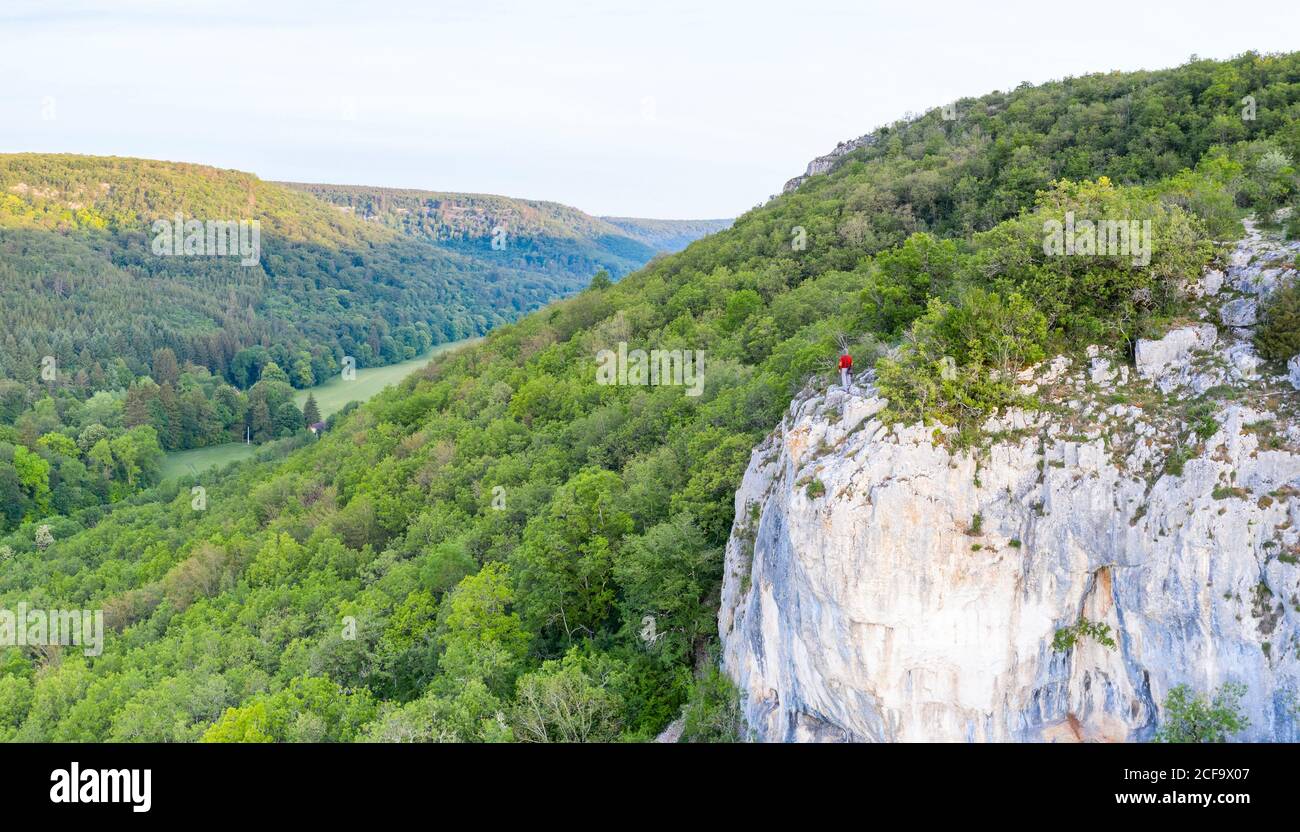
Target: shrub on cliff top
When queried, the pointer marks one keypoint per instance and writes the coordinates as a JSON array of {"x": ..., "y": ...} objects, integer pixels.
[{"x": 957, "y": 362}]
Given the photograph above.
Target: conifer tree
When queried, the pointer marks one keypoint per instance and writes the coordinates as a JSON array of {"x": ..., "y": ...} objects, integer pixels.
[{"x": 310, "y": 411}]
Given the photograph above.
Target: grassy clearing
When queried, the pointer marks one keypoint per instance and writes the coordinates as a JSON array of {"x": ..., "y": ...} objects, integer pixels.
[
  {"x": 197, "y": 460},
  {"x": 335, "y": 393},
  {"x": 330, "y": 397}
]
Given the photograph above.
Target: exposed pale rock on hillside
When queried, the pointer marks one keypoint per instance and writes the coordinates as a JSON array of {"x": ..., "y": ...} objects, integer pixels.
[
  {"x": 882, "y": 587},
  {"x": 822, "y": 164}
]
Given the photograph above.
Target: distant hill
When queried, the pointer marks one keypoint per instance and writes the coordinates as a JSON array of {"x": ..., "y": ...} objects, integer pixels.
[
  {"x": 391, "y": 274},
  {"x": 667, "y": 235},
  {"x": 528, "y": 234}
]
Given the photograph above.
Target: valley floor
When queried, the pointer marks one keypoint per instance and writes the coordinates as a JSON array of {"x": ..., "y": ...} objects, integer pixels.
[{"x": 331, "y": 397}]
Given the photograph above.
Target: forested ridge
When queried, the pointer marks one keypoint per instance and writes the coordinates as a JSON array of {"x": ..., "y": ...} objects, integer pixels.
[
  {"x": 101, "y": 336},
  {"x": 505, "y": 549},
  {"x": 530, "y": 235},
  {"x": 80, "y": 281}
]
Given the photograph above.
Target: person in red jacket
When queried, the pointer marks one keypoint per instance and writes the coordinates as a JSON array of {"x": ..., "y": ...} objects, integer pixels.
[{"x": 846, "y": 368}]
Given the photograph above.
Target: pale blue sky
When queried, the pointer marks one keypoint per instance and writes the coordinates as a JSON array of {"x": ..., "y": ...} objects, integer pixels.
[{"x": 660, "y": 109}]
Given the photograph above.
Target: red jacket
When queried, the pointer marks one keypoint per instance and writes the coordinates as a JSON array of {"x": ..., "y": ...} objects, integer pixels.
[{"x": 846, "y": 361}]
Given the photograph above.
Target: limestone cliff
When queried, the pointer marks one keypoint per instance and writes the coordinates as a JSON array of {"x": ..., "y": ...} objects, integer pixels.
[
  {"x": 822, "y": 164},
  {"x": 881, "y": 586}
]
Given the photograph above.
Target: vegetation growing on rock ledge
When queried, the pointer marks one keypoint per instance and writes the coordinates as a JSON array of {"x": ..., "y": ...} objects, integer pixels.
[
  {"x": 1188, "y": 716},
  {"x": 1067, "y": 637},
  {"x": 1007, "y": 302}
]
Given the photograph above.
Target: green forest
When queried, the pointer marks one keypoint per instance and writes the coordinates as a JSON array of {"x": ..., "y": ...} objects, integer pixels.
[
  {"x": 100, "y": 337},
  {"x": 78, "y": 282},
  {"x": 474, "y": 556}
]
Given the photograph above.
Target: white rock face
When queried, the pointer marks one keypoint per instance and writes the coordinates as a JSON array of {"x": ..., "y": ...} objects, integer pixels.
[
  {"x": 1243, "y": 361},
  {"x": 1293, "y": 372},
  {"x": 1261, "y": 266},
  {"x": 1168, "y": 358},
  {"x": 883, "y": 610},
  {"x": 822, "y": 164},
  {"x": 1101, "y": 371},
  {"x": 1240, "y": 312},
  {"x": 880, "y": 587},
  {"x": 1212, "y": 282}
]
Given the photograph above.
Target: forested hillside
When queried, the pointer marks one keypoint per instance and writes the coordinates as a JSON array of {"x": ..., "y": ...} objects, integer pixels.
[
  {"x": 506, "y": 549},
  {"x": 79, "y": 281},
  {"x": 103, "y": 337},
  {"x": 543, "y": 237}
]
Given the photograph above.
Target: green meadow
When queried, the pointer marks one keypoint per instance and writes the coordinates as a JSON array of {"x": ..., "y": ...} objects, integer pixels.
[{"x": 330, "y": 397}]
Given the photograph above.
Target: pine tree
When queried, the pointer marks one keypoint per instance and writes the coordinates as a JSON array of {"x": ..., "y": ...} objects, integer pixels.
[
  {"x": 259, "y": 418},
  {"x": 310, "y": 411},
  {"x": 1278, "y": 336},
  {"x": 169, "y": 431},
  {"x": 165, "y": 368},
  {"x": 137, "y": 406}
]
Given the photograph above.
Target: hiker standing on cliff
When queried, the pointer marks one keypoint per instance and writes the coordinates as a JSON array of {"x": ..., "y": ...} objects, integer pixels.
[{"x": 846, "y": 368}]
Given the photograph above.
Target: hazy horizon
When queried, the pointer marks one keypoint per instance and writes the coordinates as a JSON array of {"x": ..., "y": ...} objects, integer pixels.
[{"x": 678, "y": 112}]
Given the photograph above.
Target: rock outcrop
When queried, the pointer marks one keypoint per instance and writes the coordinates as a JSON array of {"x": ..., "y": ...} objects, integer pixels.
[
  {"x": 1155, "y": 358},
  {"x": 882, "y": 585},
  {"x": 1240, "y": 312},
  {"x": 822, "y": 164}
]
